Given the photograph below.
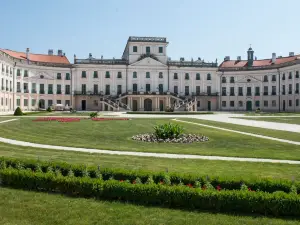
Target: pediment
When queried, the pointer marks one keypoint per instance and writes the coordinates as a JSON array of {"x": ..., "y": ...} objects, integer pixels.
[
  {"x": 148, "y": 61},
  {"x": 41, "y": 76},
  {"x": 248, "y": 79}
]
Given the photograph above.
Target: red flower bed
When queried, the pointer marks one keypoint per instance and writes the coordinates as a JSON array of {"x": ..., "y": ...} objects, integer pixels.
[
  {"x": 59, "y": 119},
  {"x": 103, "y": 119}
]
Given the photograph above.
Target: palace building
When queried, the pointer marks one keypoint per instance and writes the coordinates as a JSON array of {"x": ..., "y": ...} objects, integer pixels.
[{"x": 146, "y": 79}]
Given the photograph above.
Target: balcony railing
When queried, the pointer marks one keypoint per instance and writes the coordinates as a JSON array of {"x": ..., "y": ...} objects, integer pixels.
[
  {"x": 240, "y": 94},
  {"x": 231, "y": 94}
]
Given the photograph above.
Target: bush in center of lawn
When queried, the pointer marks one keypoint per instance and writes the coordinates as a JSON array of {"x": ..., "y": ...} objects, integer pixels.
[
  {"x": 170, "y": 133},
  {"x": 18, "y": 112}
]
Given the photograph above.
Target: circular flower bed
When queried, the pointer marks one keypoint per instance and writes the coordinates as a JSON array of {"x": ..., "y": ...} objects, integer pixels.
[{"x": 184, "y": 138}]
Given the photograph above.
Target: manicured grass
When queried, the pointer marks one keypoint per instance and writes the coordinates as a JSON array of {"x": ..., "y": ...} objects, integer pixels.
[
  {"x": 191, "y": 166},
  {"x": 292, "y": 136},
  {"x": 289, "y": 119},
  {"x": 273, "y": 114},
  {"x": 116, "y": 135},
  {"x": 172, "y": 113},
  {"x": 19, "y": 207},
  {"x": 3, "y": 118}
]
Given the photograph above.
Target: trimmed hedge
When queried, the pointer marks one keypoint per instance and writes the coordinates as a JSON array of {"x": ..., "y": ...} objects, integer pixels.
[
  {"x": 18, "y": 112},
  {"x": 232, "y": 183},
  {"x": 276, "y": 204}
]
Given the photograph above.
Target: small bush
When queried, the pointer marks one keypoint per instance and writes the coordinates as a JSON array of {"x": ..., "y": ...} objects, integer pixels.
[
  {"x": 168, "y": 131},
  {"x": 18, "y": 112},
  {"x": 169, "y": 109},
  {"x": 49, "y": 109},
  {"x": 93, "y": 114}
]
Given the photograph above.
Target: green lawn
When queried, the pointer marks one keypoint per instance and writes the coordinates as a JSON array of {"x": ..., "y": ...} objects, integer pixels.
[
  {"x": 289, "y": 119},
  {"x": 191, "y": 166},
  {"x": 116, "y": 135},
  {"x": 19, "y": 207},
  {"x": 273, "y": 114},
  {"x": 5, "y": 118}
]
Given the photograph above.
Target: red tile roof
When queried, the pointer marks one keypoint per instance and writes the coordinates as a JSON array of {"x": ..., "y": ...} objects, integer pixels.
[
  {"x": 38, "y": 57},
  {"x": 258, "y": 63}
]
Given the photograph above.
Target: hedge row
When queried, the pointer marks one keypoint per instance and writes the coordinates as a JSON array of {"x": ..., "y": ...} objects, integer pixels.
[
  {"x": 276, "y": 204},
  {"x": 231, "y": 183}
]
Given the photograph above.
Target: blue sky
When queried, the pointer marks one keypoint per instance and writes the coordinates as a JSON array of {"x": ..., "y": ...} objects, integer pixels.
[{"x": 194, "y": 28}]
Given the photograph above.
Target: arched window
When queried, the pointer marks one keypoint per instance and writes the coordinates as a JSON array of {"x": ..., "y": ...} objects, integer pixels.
[
  {"x": 160, "y": 75},
  {"x": 266, "y": 78},
  {"x": 208, "y": 76},
  {"x": 198, "y": 76},
  {"x": 223, "y": 79},
  {"x": 187, "y": 76},
  {"x": 134, "y": 75}
]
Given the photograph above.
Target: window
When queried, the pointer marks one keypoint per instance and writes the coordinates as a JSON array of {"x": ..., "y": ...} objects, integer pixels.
[
  {"x": 176, "y": 89},
  {"x": 198, "y": 104},
  {"x": 223, "y": 103},
  {"x": 240, "y": 103},
  {"x": 1, "y": 101},
  {"x": 223, "y": 91},
  {"x": 290, "y": 103},
  {"x": 134, "y": 75},
  {"x": 161, "y": 88},
  {"x": 58, "y": 76},
  {"x": 265, "y": 78},
  {"x": 160, "y": 75},
  {"x": 148, "y": 87},
  {"x": 208, "y": 76},
  {"x": 96, "y": 89},
  {"x": 240, "y": 91},
  {"x": 273, "y": 77},
  {"x": 83, "y": 89},
  {"x": 231, "y": 91},
  {"x": 231, "y": 103},
  {"x": 187, "y": 90},
  {"x": 160, "y": 49},
  {"x": 50, "y": 88},
  {"x": 223, "y": 79},
  {"x": 10, "y": 85},
  {"x": 290, "y": 75},
  {"x": 42, "y": 89},
  {"x": 231, "y": 79},
  {"x": 107, "y": 74},
  {"x": 50, "y": 102},
  {"x": 25, "y": 87},
  {"x": 148, "y": 49},
  {"x": 119, "y": 89},
  {"x": 134, "y": 49},
  {"x": 67, "y": 102},
  {"x": 25, "y": 102},
  {"x": 33, "y": 102},
  {"x": 107, "y": 89},
  {"x": 83, "y": 74},
  {"x": 95, "y": 74},
  {"x": 257, "y": 103},
  {"x": 297, "y": 88},
  {"x": 119, "y": 75},
  {"x": 134, "y": 87},
  {"x": 187, "y": 76},
  {"x": 68, "y": 76},
  {"x": 33, "y": 88},
  {"x": 283, "y": 76},
  {"x": 58, "y": 89},
  {"x": 266, "y": 103},
  {"x": 18, "y": 102},
  {"x": 175, "y": 76},
  {"x": 273, "y": 90},
  {"x": 198, "y": 76},
  {"x": 25, "y": 73},
  {"x": 297, "y": 74},
  {"x": 147, "y": 74},
  {"x": 249, "y": 91},
  {"x": 67, "y": 89},
  {"x": 18, "y": 72},
  {"x": 283, "y": 89},
  {"x": 6, "y": 101},
  {"x": 266, "y": 90},
  {"x": 273, "y": 103},
  {"x": 58, "y": 101},
  {"x": 290, "y": 88},
  {"x": 297, "y": 102},
  {"x": 208, "y": 90}
]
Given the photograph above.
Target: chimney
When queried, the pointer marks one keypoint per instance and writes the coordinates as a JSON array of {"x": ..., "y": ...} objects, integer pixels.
[
  {"x": 90, "y": 55},
  {"x": 291, "y": 54},
  {"x": 199, "y": 58},
  {"x": 273, "y": 58},
  {"x": 50, "y": 52},
  {"x": 27, "y": 53},
  {"x": 227, "y": 58},
  {"x": 59, "y": 52},
  {"x": 239, "y": 58}
]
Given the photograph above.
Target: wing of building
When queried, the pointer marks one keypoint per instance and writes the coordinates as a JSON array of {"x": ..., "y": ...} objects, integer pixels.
[{"x": 146, "y": 79}]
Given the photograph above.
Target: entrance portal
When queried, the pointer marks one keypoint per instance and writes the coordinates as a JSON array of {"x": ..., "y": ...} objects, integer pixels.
[
  {"x": 148, "y": 105},
  {"x": 249, "y": 106},
  {"x": 83, "y": 104}
]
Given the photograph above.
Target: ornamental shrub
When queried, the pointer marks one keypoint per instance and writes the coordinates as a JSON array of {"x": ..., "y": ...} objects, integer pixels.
[
  {"x": 70, "y": 173},
  {"x": 18, "y": 112},
  {"x": 49, "y": 109},
  {"x": 93, "y": 114},
  {"x": 149, "y": 180},
  {"x": 168, "y": 131}
]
